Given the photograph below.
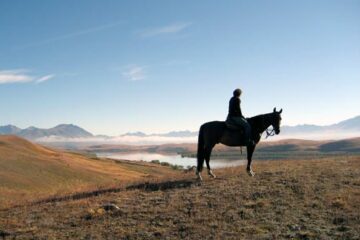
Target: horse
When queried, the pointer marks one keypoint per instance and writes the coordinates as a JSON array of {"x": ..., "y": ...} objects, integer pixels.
[{"x": 212, "y": 133}]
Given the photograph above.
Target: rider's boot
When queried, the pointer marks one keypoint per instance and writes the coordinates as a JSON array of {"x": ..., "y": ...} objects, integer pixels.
[{"x": 250, "y": 142}]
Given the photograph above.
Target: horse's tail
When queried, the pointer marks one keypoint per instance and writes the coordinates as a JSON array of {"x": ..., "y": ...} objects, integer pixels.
[{"x": 200, "y": 150}]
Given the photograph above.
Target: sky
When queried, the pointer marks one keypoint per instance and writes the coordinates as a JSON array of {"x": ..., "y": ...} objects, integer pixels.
[{"x": 113, "y": 67}]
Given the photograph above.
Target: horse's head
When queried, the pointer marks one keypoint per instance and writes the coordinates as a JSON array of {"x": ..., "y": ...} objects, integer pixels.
[{"x": 276, "y": 120}]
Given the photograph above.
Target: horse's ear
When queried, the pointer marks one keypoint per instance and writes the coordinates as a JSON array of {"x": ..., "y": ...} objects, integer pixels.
[
  {"x": 280, "y": 111},
  {"x": 274, "y": 109}
]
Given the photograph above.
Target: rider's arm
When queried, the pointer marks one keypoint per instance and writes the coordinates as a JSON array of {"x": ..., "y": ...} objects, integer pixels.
[{"x": 238, "y": 108}]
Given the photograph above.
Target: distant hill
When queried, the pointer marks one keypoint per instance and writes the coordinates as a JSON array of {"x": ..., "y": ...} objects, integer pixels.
[
  {"x": 352, "y": 124},
  {"x": 65, "y": 133},
  {"x": 9, "y": 129},
  {"x": 347, "y": 145},
  {"x": 33, "y": 133},
  {"x": 185, "y": 133},
  {"x": 135, "y": 134},
  {"x": 288, "y": 145}
]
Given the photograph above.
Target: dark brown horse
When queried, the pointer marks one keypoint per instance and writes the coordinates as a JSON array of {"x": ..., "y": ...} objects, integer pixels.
[{"x": 212, "y": 133}]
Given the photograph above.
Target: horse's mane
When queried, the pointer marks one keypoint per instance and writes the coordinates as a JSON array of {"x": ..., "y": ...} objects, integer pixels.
[
  {"x": 258, "y": 120},
  {"x": 254, "y": 118},
  {"x": 258, "y": 117}
]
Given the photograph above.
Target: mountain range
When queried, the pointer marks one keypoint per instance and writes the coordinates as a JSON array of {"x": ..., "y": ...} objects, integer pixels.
[
  {"x": 185, "y": 133},
  {"x": 33, "y": 133},
  {"x": 351, "y": 125}
]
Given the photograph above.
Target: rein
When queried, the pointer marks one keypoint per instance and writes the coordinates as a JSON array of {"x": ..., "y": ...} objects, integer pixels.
[
  {"x": 260, "y": 122},
  {"x": 269, "y": 133}
]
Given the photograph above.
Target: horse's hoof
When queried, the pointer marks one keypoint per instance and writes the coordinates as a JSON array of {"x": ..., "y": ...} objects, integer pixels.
[
  {"x": 198, "y": 176},
  {"x": 251, "y": 173},
  {"x": 211, "y": 174}
]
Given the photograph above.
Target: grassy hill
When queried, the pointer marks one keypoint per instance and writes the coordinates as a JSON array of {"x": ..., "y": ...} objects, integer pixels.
[
  {"x": 313, "y": 199},
  {"x": 347, "y": 145},
  {"x": 28, "y": 171}
]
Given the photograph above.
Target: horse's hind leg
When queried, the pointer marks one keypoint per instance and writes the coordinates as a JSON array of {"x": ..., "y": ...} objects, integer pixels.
[
  {"x": 207, "y": 158},
  {"x": 250, "y": 151},
  {"x": 200, "y": 163}
]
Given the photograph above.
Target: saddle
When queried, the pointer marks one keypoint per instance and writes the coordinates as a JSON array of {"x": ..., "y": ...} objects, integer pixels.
[
  {"x": 234, "y": 133},
  {"x": 231, "y": 125}
]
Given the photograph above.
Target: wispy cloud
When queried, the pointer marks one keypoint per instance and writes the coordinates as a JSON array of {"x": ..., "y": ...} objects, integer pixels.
[
  {"x": 45, "y": 78},
  {"x": 134, "y": 73},
  {"x": 169, "y": 29},
  {"x": 14, "y": 76},
  {"x": 21, "y": 76},
  {"x": 72, "y": 35}
]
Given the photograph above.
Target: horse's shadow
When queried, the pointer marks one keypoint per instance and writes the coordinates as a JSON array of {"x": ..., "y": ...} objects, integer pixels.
[
  {"x": 168, "y": 185},
  {"x": 162, "y": 186}
]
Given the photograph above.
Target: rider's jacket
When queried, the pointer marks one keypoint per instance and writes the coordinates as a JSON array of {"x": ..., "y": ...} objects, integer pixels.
[{"x": 234, "y": 107}]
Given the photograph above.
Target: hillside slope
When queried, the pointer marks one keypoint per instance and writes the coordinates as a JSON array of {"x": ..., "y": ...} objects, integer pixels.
[
  {"x": 347, "y": 145},
  {"x": 313, "y": 199},
  {"x": 28, "y": 169}
]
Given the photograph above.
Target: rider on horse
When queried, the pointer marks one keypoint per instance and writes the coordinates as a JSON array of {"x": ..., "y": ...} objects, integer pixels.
[
  {"x": 236, "y": 118},
  {"x": 214, "y": 132}
]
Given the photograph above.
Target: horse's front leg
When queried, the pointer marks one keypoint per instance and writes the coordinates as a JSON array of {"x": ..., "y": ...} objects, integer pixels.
[
  {"x": 207, "y": 158},
  {"x": 250, "y": 151}
]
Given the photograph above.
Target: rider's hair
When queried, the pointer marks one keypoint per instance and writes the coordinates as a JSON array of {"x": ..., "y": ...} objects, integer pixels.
[{"x": 237, "y": 92}]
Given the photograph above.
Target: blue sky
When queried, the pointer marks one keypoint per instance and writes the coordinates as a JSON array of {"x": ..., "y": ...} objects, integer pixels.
[{"x": 156, "y": 66}]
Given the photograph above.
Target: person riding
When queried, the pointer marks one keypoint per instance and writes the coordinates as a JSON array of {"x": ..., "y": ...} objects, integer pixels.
[{"x": 235, "y": 116}]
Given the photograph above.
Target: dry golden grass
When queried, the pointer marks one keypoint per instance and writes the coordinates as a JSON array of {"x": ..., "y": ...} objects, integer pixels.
[
  {"x": 29, "y": 171},
  {"x": 313, "y": 199}
]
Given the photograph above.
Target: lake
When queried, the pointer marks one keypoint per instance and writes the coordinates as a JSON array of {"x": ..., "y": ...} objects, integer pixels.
[{"x": 172, "y": 159}]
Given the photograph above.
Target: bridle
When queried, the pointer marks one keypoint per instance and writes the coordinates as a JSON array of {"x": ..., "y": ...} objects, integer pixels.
[{"x": 270, "y": 133}]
